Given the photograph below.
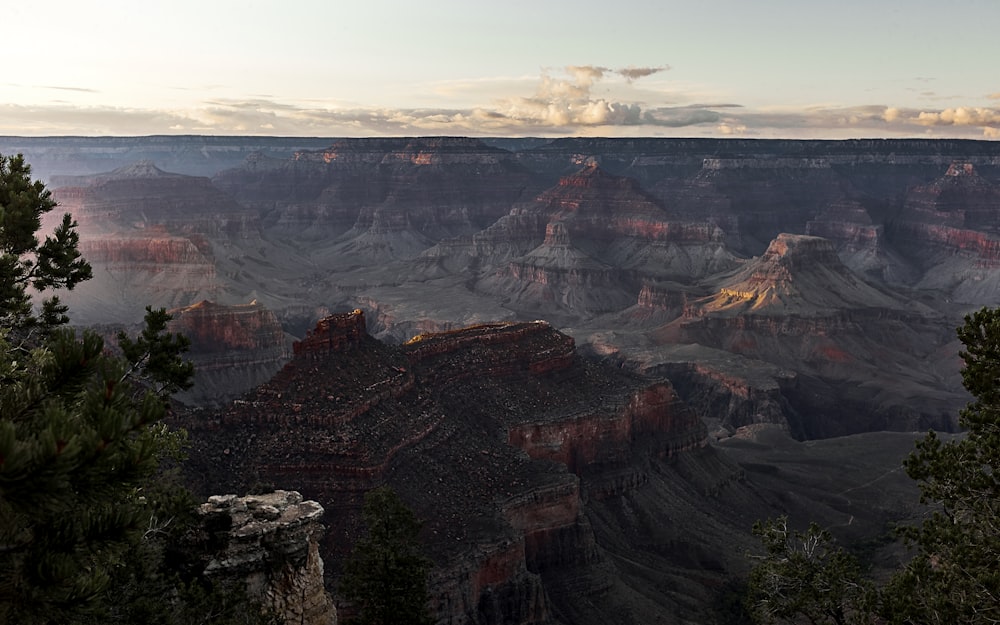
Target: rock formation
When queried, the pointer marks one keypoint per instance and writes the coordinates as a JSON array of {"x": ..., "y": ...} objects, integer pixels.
[
  {"x": 497, "y": 435},
  {"x": 270, "y": 544},
  {"x": 233, "y": 348},
  {"x": 799, "y": 304}
]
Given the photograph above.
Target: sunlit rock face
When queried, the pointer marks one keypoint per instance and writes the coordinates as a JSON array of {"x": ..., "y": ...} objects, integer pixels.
[
  {"x": 497, "y": 435},
  {"x": 701, "y": 261},
  {"x": 799, "y": 304}
]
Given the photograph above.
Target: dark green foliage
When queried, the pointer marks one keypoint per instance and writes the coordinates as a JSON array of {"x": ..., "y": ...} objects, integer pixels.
[
  {"x": 954, "y": 576},
  {"x": 803, "y": 577},
  {"x": 76, "y": 447},
  {"x": 155, "y": 355},
  {"x": 27, "y": 262},
  {"x": 386, "y": 575}
]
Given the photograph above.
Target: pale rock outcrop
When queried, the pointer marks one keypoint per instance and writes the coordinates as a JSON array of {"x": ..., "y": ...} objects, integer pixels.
[{"x": 272, "y": 542}]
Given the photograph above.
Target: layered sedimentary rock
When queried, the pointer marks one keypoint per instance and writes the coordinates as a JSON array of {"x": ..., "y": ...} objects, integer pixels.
[
  {"x": 583, "y": 246},
  {"x": 600, "y": 236},
  {"x": 950, "y": 229},
  {"x": 141, "y": 195},
  {"x": 268, "y": 543},
  {"x": 152, "y": 237},
  {"x": 193, "y": 155},
  {"x": 497, "y": 435},
  {"x": 378, "y": 199},
  {"x": 152, "y": 267},
  {"x": 234, "y": 348},
  {"x": 798, "y": 306}
]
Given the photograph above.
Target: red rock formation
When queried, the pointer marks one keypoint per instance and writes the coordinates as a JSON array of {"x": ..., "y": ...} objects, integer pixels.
[
  {"x": 233, "y": 348},
  {"x": 606, "y": 436},
  {"x": 444, "y": 419},
  {"x": 333, "y": 333},
  {"x": 961, "y": 198}
]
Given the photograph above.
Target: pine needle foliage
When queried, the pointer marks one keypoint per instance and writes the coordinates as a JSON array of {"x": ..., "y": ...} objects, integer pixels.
[{"x": 386, "y": 574}]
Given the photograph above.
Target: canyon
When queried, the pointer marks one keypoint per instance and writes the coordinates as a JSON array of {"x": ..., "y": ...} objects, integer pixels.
[{"x": 588, "y": 364}]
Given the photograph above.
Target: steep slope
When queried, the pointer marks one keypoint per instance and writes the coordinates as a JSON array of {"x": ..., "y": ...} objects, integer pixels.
[
  {"x": 951, "y": 231},
  {"x": 800, "y": 308},
  {"x": 168, "y": 240},
  {"x": 554, "y": 489},
  {"x": 581, "y": 248},
  {"x": 375, "y": 200}
]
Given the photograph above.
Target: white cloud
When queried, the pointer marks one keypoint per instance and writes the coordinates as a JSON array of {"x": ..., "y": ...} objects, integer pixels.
[
  {"x": 726, "y": 128},
  {"x": 961, "y": 116},
  {"x": 576, "y": 100}
]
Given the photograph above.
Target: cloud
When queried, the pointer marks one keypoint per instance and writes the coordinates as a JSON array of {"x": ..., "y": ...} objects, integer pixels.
[
  {"x": 961, "y": 116},
  {"x": 726, "y": 128},
  {"x": 76, "y": 89},
  {"x": 994, "y": 96},
  {"x": 635, "y": 73},
  {"x": 565, "y": 99},
  {"x": 574, "y": 100}
]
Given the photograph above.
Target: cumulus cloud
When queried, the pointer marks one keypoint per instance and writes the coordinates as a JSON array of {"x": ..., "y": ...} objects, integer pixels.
[
  {"x": 565, "y": 99},
  {"x": 727, "y": 128},
  {"x": 961, "y": 116}
]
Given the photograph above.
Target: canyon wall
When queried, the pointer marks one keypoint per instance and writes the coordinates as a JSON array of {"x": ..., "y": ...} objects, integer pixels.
[{"x": 497, "y": 435}]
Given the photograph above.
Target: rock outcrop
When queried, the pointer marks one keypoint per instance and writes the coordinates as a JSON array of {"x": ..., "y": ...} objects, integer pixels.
[{"x": 270, "y": 544}]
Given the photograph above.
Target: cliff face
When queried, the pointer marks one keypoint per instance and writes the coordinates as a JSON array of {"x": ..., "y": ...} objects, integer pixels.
[
  {"x": 497, "y": 435},
  {"x": 381, "y": 198},
  {"x": 141, "y": 195},
  {"x": 233, "y": 348},
  {"x": 582, "y": 247},
  {"x": 269, "y": 543},
  {"x": 799, "y": 307}
]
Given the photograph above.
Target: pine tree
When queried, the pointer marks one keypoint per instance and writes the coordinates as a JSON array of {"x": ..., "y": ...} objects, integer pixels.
[
  {"x": 75, "y": 447},
  {"x": 805, "y": 577},
  {"x": 386, "y": 575},
  {"x": 954, "y": 576},
  {"x": 77, "y": 442},
  {"x": 25, "y": 262}
]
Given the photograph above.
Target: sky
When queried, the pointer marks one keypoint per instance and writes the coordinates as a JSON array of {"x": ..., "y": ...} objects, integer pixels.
[{"x": 340, "y": 68}]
